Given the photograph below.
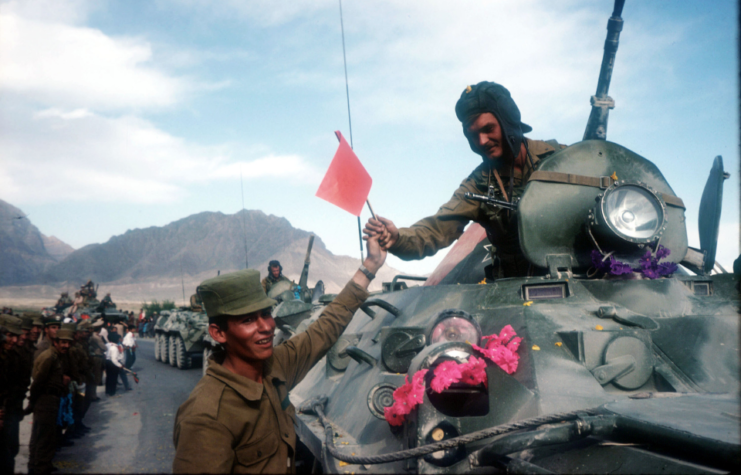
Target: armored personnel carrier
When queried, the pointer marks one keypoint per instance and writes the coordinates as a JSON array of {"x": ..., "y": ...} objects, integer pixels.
[
  {"x": 179, "y": 335},
  {"x": 611, "y": 358}
]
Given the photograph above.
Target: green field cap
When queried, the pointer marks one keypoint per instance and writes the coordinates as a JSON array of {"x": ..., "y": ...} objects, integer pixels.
[
  {"x": 237, "y": 293},
  {"x": 66, "y": 334},
  {"x": 26, "y": 322},
  {"x": 52, "y": 320},
  {"x": 12, "y": 324}
]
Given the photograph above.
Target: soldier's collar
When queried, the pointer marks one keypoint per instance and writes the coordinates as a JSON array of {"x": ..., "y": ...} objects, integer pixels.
[{"x": 245, "y": 387}]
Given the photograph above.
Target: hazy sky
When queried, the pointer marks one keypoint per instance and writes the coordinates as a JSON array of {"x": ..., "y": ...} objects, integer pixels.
[{"x": 117, "y": 115}]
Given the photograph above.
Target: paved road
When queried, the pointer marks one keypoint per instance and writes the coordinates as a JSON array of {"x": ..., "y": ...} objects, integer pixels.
[{"x": 132, "y": 431}]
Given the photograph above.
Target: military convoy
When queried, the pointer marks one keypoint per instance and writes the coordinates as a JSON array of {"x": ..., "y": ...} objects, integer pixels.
[{"x": 627, "y": 362}]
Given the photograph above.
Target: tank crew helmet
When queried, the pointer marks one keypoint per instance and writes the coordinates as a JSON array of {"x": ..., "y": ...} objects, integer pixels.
[
  {"x": 236, "y": 293},
  {"x": 494, "y": 98},
  {"x": 275, "y": 263}
]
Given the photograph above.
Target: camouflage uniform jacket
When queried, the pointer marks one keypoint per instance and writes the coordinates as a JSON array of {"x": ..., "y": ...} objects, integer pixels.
[
  {"x": 429, "y": 235},
  {"x": 268, "y": 282},
  {"x": 232, "y": 424}
]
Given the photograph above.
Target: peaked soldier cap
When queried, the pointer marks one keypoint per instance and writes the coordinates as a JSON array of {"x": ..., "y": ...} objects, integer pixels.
[{"x": 236, "y": 293}]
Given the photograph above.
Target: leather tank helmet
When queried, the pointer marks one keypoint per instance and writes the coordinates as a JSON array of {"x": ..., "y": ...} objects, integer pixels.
[
  {"x": 494, "y": 98},
  {"x": 275, "y": 263}
]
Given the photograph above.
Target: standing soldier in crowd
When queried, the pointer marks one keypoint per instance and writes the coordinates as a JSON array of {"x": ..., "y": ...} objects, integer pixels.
[
  {"x": 19, "y": 375},
  {"x": 80, "y": 358},
  {"x": 49, "y": 385},
  {"x": 98, "y": 349},
  {"x": 69, "y": 369},
  {"x": 12, "y": 332},
  {"x": 51, "y": 327}
]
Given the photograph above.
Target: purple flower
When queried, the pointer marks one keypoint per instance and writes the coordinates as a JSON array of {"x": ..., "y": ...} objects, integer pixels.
[
  {"x": 651, "y": 273},
  {"x": 662, "y": 252},
  {"x": 667, "y": 268},
  {"x": 619, "y": 268},
  {"x": 646, "y": 259},
  {"x": 597, "y": 261}
]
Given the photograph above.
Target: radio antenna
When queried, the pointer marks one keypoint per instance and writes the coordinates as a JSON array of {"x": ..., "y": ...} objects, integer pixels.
[
  {"x": 349, "y": 116},
  {"x": 244, "y": 232}
]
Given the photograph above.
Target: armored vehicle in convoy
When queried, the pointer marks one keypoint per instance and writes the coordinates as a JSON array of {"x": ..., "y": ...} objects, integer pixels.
[
  {"x": 179, "y": 335},
  {"x": 610, "y": 358}
]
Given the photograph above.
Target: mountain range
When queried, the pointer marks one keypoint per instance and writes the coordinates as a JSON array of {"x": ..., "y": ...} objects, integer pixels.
[{"x": 167, "y": 261}]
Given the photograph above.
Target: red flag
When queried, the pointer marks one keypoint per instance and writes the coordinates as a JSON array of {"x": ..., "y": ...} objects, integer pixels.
[{"x": 346, "y": 183}]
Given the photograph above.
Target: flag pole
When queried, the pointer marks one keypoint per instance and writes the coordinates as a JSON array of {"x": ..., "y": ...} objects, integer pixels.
[
  {"x": 349, "y": 117},
  {"x": 371, "y": 209}
]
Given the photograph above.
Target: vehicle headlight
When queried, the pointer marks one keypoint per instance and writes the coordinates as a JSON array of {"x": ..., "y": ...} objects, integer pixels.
[
  {"x": 453, "y": 326},
  {"x": 632, "y": 212}
]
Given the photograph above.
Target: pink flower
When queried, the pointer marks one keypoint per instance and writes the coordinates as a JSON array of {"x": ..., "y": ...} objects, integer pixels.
[
  {"x": 474, "y": 371},
  {"x": 502, "y": 349},
  {"x": 406, "y": 398},
  {"x": 392, "y": 415},
  {"x": 446, "y": 373}
]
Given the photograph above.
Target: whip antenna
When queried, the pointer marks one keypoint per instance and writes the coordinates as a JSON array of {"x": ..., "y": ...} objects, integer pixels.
[
  {"x": 349, "y": 116},
  {"x": 244, "y": 232}
]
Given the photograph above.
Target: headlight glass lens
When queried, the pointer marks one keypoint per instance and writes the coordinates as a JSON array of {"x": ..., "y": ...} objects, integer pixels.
[
  {"x": 633, "y": 212},
  {"x": 455, "y": 329}
]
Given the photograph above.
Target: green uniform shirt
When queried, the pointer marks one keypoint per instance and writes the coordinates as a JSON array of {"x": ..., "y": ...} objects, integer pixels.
[
  {"x": 19, "y": 374},
  {"x": 48, "y": 376},
  {"x": 429, "y": 235},
  {"x": 232, "y": 424}
]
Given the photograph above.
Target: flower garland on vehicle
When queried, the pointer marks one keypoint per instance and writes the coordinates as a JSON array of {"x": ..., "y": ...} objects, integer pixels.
[
  {"x": 499, "y": 349},
  {"x": 649, "y": 265}
]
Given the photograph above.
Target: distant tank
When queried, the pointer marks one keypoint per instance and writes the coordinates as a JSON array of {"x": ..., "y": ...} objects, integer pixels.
[
  {"x": 627, "y": 362},
  {"x": 179, "y": 335}
]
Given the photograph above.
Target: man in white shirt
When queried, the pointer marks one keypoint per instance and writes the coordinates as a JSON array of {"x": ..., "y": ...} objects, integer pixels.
[
  {"x": 129, "y": 344},
  {"x": 114, "y": 365}
]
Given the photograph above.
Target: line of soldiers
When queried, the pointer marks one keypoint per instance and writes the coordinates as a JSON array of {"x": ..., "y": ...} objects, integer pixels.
[{"x": 61, "y": 364}]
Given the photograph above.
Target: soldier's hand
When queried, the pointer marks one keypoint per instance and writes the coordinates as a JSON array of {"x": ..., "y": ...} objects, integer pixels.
[{"x": 384, "y": 228}]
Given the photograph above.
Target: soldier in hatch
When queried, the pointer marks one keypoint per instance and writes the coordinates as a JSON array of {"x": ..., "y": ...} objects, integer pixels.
[
  {"x": 275, "y": 275},
  {"x": 491, "y": 123},
  {"x": 107, "y": 301}
]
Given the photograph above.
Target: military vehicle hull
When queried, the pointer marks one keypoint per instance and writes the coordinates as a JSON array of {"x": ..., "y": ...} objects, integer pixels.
[
  {"x": 684, "y": 346},
  {"x": 179, "y": 337}
]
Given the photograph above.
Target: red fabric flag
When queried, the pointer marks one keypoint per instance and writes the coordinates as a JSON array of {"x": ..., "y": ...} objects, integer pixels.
[{"x": 346, "y": 183}]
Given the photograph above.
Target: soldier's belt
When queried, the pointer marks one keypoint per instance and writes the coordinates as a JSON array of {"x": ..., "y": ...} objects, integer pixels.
[{"x": 602, "y": 182}]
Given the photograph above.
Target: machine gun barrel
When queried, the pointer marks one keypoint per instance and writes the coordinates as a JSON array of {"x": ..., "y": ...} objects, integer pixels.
[
  {"x": 601, "y": 102},
  {"x": 491, "y": 201},
  {"x": 304, "y": 280}
]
